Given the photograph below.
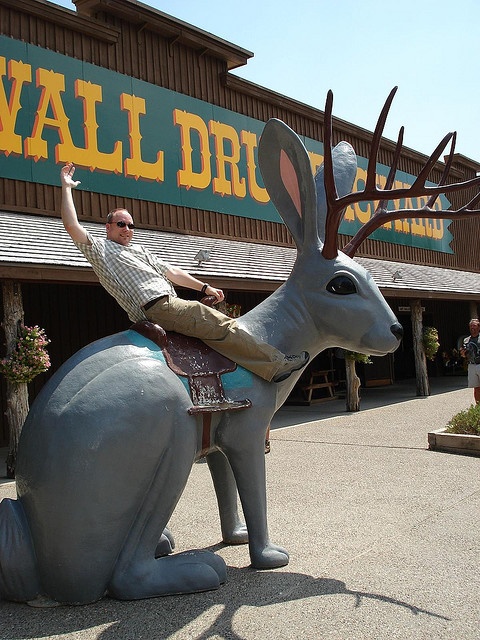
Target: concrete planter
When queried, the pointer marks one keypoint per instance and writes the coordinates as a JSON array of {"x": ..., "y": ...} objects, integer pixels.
[{"x": 454, "y": 443}]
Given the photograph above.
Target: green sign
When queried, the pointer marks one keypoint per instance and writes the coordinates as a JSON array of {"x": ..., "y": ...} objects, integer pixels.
[{"x": 133, "y": 139}]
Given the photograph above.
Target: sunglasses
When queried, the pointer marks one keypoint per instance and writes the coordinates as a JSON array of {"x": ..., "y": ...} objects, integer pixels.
[{"x": 123, "y": 224}]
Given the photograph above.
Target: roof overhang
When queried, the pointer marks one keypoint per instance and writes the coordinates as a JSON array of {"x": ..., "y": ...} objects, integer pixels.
[
  {"x": 146, "y": 17},
  {"x": 37, "y": 248}
]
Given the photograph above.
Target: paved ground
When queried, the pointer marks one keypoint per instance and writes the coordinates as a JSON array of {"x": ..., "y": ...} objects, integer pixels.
[{"x": 383, "y": 536}]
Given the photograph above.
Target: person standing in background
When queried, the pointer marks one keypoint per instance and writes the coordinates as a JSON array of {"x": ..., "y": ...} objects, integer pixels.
[{"x": 471, "y": 351}]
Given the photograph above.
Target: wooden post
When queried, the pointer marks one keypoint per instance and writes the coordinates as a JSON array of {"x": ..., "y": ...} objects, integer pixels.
[
  {"x": 473, "y": 310},
  {"x": 353, "y": 385},
  {"x": 423, "y": 383},
  {"x": 17, "y": 393}
]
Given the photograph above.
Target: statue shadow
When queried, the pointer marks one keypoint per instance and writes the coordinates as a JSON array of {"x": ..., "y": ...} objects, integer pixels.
[{"x": 165, "y": 616}]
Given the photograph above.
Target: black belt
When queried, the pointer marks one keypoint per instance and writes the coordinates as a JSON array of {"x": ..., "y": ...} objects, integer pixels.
[{"x": 150, "y": 303}]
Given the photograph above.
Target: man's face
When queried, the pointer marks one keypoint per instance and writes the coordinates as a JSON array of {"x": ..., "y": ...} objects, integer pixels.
[
  {"x": 123, "y": 233},
  {"x": 474, "y": 329}
]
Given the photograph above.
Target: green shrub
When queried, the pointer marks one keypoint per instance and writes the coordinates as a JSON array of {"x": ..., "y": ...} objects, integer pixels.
[{"x": 467, "y": 422}]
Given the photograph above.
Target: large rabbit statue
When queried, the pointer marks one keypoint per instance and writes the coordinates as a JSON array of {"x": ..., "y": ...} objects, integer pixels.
[{"x": 109, "y": 443}]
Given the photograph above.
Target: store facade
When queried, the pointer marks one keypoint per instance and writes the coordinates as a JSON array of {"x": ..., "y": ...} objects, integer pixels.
[{"x": 151, "y": 113}]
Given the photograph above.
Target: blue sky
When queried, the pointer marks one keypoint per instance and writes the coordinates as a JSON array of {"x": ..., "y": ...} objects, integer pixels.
[{"x": 360, "y": 49}]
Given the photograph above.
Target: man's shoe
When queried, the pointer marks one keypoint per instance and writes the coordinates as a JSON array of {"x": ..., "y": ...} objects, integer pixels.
[{"x": 291, "y": 364}]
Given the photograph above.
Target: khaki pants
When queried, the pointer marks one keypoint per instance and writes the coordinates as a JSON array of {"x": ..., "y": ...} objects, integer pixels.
[{"x": 218, "y": 331}]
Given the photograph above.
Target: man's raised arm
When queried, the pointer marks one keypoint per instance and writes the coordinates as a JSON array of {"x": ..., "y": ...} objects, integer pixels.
[{"x": 69, "y": 214}]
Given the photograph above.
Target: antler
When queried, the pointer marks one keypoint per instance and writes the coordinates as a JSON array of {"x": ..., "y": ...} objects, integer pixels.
[{"x": 336, "y": 206}]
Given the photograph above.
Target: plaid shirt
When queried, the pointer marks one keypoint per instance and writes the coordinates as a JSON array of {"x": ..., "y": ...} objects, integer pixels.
[{"x": 131, "y": 274}]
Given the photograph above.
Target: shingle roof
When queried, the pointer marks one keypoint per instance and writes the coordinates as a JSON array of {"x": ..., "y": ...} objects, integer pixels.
[
  {"x": 28, "y": 240},
  {"x": 422, "y": 278}
]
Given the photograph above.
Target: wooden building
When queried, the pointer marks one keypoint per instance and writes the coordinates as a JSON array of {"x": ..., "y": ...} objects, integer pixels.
[{"x": 151, "y": 112}]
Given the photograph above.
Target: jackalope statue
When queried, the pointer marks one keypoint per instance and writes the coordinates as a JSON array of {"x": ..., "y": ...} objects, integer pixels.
[{"x": 99, "y": 473}]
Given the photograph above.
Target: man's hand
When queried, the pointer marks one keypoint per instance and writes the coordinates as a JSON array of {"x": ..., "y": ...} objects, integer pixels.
[
  {"x": 218, "y": 293},
  {"x": 69, "y": 214},
  {"x": 183, "y": 279},
  {"x": 66, "y": 176}
]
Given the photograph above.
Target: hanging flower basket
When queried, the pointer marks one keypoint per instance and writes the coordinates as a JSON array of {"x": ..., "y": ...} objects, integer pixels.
[
  {"x": 358, "y": 357},
  {"x": 29, "y": 356},
  {"x": 430, "y": 342}
]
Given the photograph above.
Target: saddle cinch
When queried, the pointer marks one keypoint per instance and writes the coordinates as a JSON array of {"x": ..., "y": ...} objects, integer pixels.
[{"x": 202, "y": 366}]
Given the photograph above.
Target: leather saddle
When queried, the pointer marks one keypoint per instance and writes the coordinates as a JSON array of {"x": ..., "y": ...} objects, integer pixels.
[{"x": 202, "y": 366}]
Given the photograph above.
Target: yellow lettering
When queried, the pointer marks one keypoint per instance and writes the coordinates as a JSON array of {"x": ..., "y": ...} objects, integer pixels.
[
  {"x": 134, "y": 165},
  {"x": 90, "y": 156},
  {"x": 53, "y": 84},
  {"x": 401, "y": 226},
  {"x": 349, "y": 214},
  {"x": 423, "y": 222},
  {"x": 19, "y": 73},
  {"x": 363, "y": 210},
  {"x": 381, "y": 181},
  {"x": 437, "y": 225},
  {"x": 437, "y": 229},
  {"x": 315, "y": 161},
  {"x": 398, "y": 225},
  {"x": 417, "y": 227},
  {"x": 186, "y": 176},
  {"x": 223, "y": 134},
  {"x": 249, "y": 140}
]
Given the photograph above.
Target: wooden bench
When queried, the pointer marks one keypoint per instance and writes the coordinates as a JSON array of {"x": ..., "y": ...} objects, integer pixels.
[{"x": 319, "y": 380}]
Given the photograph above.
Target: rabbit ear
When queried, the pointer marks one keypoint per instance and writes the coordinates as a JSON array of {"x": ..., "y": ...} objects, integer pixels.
[
  {"x": 287, "y": 175},
  {"x": 344, "y": 161}
]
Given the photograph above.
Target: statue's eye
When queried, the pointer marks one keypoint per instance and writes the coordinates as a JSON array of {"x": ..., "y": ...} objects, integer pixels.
[{"x": 342, "y": 286}]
